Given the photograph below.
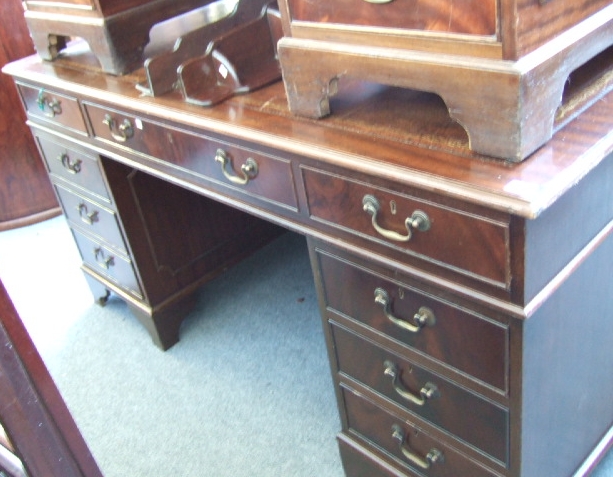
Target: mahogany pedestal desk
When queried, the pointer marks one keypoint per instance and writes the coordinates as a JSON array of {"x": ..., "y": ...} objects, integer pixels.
[{"x": 466, "y": 301}]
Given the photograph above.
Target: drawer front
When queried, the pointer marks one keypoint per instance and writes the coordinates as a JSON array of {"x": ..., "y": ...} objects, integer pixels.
[
  {"x": 361, "y": 462},
  {"x": 357, "y": 293},
  {"x": 474, "y": 246},
  {"x": 107, "y": 262},
  {"x": 473, "y": 17},
  {"x": 230, "y": 166},
  {"x": 52, "y": 107},
  {"x": 73, "y": 165},
  {"x": 410, "y": 446},
  {"x": 92, "y": 217},
  {"x": 473, "y": 419}
]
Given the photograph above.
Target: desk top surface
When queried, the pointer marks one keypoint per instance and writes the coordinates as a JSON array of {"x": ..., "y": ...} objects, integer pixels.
[{"x": 392, "y": 133}]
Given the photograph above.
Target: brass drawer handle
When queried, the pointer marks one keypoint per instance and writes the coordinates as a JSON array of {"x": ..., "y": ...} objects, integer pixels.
[
  {"x": 88, "y": 217},
  {"x": 51, "y": 107},
  {"x": 102, "y": 260},
  {"x": 248, "y": 170},
  {"x": 423, "y": 317},
  {"x": 428, "y": 391},
  {"x": 74, "y": 167},
  {"x": 124, "y": 131},
  {"x": 435, "y": 456},
  {"x": 419, "y": 220}
]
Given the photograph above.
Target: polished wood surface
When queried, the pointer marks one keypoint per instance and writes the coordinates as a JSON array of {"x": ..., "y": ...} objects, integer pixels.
[
  {"x": 540, "y": 21},
  {"x": 44, "y": 436},
  {"x": 426, "y": 151},
  {"x": 26, "y": 195},
  {"x": 486, "y": 304},
  {"x": 474, "y": 18}
]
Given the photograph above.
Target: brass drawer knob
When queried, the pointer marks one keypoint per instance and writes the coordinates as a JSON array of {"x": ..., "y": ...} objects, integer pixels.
[
  {"x": 419, "y": 220},
  {"x": 51, "y": 107},
  {"x": 428, "y": 391},
  {"x": 434, "y": 456},
  {"x": 249, "y": 170},
  {"x": 122, "y": 132},
  {"x": 424, "y": 316}
]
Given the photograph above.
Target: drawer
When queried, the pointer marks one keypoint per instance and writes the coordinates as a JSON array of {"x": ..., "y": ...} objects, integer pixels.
[
  {"x": 231, "y": 166},
  {"x": 477, "y": 247},
  {"x": 92, "y": 217},
  {"x": 361, "y": 462},
  {"x": 52, "y": 107},
  {"x": 473, "y": 17},
  {"x": 411, "y": 446},
  {"x": 75, "y": 166},
  {"x": 462, "y": 339},
  {"x": 471, "y": 418},
  {"x": 108, "y": 263}
]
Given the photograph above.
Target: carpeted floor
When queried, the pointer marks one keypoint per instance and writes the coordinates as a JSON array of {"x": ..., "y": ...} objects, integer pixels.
[{"x": 246, "y": 392}]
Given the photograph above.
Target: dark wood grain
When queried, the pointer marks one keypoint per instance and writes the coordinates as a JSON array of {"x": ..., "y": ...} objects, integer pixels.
[
  {"x": 73, "y": 164},
  {"x": 178, "y": 241},
  {"x": 375, "y": 424},
  {"x": 338, "y": 201},
  {"x": 26, "y": 195},
  {"x": 196, "y": 153},
  {"x": 32, "y": 411},
  {"x": 360, "y": 461},
  {"x": 68, "y": 113},
  {"x": 430, "y": 161},
  {"x": 563, "y": 360},
  {"x": 349, "y": 291},
  {"x": 474, "y": 18},
  {"x": 539, "y": 22},
  {"x": 466, "y": 415}
]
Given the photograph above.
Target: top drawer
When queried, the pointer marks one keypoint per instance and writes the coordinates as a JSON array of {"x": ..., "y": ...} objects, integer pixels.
[
  {"x": 233, "y": 167},
  {"x": 474, "y": 246},
  {"x": 53, "y": 107}
]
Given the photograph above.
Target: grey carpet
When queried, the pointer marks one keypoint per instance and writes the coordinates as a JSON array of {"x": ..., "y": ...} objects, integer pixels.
[{"x": 246, "y": 392}]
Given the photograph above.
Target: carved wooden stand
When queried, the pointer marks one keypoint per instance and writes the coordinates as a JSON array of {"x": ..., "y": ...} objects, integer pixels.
[
  {"x": 507, "y": 107},
  {"x": 116, "y": 32}
]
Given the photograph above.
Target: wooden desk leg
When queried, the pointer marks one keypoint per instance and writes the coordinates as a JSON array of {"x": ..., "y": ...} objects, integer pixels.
[
  {"x": 163, "y": 324},
  {"x": 176, "y": 241}
]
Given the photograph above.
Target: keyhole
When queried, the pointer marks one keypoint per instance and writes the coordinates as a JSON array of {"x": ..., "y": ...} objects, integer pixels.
[
  {"x": 393, "y": 208},
  {"x": 401, "y": 293}
]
